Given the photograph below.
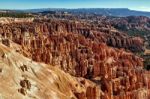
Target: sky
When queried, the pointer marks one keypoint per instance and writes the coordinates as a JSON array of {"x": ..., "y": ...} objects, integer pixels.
[{"x": 141, "y": 5}]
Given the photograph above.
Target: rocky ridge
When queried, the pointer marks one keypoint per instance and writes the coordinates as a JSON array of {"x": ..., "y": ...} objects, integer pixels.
[
  {"x": 22, "y": 78},
  {"x": 85, "y": 52},
  {"x": 4, "y": 20}
]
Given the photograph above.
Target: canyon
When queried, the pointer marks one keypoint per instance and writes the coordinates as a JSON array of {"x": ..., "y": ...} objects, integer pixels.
[{"x": 68, "y": 59}]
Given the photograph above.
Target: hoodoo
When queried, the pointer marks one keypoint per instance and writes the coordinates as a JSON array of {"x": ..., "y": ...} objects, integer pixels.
[{"x": 47, "y": 58}]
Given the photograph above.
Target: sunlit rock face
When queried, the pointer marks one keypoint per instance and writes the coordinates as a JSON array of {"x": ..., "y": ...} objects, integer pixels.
[
  {"x": 22, "y": 78},
  {"x": 15, "y": 20},
  {"x": 85, "y": 52}
]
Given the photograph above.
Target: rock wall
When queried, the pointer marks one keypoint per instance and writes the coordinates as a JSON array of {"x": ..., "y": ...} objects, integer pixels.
[
  {"x": 83, "y": 51},
  {"x": 4, "y": 20}
]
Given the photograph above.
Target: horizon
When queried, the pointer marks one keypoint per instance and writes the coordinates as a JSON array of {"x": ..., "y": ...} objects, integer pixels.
[
  {"x": 137, "y": 5},
  {"x": 62, "y": 8},
  {"x": 71, "y": 8},
  {"x": 65, "y": 8}
]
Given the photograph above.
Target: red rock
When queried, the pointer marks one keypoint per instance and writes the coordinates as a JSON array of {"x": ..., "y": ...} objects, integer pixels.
[{"x": 83, "y": 52}]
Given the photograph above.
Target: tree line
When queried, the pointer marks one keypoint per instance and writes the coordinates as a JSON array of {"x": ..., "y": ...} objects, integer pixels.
[{"x": 15, "y": 15}]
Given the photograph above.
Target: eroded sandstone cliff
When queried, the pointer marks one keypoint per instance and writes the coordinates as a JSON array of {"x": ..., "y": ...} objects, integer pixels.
[
  {"x": 84, "y": 51},
  {"x": 22, "y": 78}
]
